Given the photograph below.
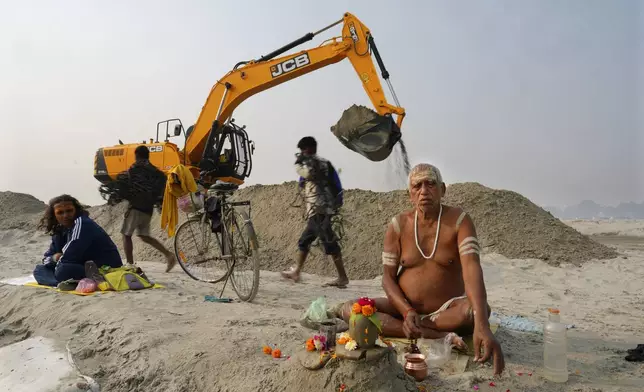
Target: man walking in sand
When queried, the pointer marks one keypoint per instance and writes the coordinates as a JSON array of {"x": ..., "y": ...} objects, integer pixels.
[
  {"x": 143, "y": 176},
  {"x": 321, "y": 204}
]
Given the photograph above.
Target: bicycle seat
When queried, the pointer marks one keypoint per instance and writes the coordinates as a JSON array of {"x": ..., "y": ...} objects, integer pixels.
[{"x": 224, "y": 186}]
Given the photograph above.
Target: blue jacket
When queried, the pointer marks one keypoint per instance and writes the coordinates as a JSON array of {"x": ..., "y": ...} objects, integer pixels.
[{"x": 85, "y": 241}]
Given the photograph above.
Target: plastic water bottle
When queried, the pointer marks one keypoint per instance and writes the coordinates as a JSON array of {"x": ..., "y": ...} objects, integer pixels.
[{"x": 555, "y": 346}]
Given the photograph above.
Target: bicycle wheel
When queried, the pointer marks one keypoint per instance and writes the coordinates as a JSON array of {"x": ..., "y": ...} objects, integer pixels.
[
  {"x": 198, "y": 251},
  {"x": 244, "y": 264}
]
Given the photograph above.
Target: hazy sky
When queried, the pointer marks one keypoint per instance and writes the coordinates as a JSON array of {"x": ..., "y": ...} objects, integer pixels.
[{"x": 540, "y": 97}]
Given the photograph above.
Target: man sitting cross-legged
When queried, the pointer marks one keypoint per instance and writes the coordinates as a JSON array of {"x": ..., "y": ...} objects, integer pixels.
[{"x": 432, "y": 274}]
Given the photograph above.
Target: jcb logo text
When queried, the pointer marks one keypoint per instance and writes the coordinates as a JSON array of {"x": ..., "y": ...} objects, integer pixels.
[
  {"x": 155, "y": 148},
  {"x": 290, "y": 65}
]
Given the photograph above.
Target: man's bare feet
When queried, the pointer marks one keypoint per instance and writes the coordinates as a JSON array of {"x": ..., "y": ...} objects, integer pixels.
[
  {"x": 339, "y": 283},
  {"x": 171, "y": 262},
  {"x": 291, "y": 274}
]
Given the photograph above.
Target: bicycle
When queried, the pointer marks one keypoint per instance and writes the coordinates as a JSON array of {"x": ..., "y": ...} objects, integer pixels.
[{"x": 235, "y": 243}]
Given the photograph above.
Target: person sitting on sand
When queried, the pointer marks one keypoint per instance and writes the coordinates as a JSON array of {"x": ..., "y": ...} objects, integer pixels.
[
  {"x": 432, "y": 274},
  {"x": 75, "y": 240}
]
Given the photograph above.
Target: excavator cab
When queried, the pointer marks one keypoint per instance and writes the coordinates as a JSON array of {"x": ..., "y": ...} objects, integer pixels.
[
  {"x": 230, "y": 157},
  {"x": 177, "y": 129}
]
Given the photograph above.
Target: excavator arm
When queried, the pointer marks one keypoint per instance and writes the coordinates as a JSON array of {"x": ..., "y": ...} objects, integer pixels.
[
  {"x": 217, "y": 149},
  {"x": 249, "y": 78}
]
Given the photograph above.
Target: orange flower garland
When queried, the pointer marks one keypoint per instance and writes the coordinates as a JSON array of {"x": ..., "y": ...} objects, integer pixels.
[{"x": 356, "y": 308}]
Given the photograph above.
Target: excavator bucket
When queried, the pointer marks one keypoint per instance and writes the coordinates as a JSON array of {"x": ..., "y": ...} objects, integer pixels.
[{"x": 366, "y": 132}]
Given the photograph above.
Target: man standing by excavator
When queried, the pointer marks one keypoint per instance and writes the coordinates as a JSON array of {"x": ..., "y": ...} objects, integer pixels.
[
  {"x": 322, "y": 194},
  {"x": 144, "y": 191}
]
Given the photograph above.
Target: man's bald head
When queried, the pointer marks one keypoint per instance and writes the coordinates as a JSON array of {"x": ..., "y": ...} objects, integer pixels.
[{"x": 424, "y": 172}]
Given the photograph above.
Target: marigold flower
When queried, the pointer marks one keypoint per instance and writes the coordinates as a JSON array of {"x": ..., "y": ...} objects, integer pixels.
[
  {"x": 267, "y": 350},
  {"x": 366, "y": 301},
  {"x": 309, "y": 345},
  {"x": 367, "y": 310},
  {"x": 277, "y": 353},
  {"x": 343, "y": 340},
  {"x": 356, "y": 308}
]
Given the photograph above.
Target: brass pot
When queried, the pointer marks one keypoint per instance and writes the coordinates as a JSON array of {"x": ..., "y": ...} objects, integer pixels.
[{"x": 416, "y": 366}]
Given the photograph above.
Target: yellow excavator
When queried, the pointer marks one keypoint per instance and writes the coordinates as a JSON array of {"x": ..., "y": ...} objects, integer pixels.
[{"x": 218, "y": 149}]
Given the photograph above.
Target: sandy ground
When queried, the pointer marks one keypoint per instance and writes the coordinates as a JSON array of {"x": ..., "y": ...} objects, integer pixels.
[
  {"x": 628, "y": 228},
  {"x": 172, "y": 340}
]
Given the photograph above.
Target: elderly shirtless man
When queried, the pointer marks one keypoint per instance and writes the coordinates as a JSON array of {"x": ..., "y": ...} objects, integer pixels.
[{"x": 432, "y": 273}]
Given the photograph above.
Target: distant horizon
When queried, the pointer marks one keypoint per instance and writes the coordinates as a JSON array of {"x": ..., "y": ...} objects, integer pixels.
[
  {"x": 599, "y": 204},
  {"x": 559, "y": 206}
]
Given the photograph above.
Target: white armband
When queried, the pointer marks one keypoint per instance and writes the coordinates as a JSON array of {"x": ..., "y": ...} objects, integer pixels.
[
  {"x": 468, "y": 246},
  {"x": 390, "y": 259}
]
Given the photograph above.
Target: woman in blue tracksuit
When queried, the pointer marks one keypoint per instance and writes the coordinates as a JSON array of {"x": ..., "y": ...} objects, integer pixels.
[{"x": 75, "y": 239}]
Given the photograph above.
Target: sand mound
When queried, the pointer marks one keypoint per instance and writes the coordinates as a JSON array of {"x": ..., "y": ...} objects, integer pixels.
[
  {"x": 513, "y": 226},
  {"x": 111, "y": 219},
  {"x": 14, "y": 203},
  {"x": 279, "y": 225},
  {"x": 507, "y": 223},
  {"x": 20, "y": 210}
]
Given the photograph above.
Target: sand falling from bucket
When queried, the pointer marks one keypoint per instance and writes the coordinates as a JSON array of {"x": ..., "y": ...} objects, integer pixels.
[
  {"x": 399, "y": 166},
  {"x": 405, "y": 158}
]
